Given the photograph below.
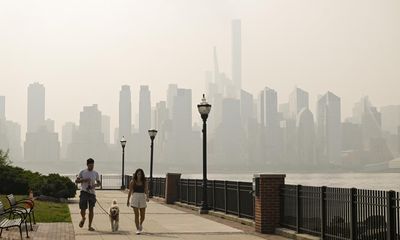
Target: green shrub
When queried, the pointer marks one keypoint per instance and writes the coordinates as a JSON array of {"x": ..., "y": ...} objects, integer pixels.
[{"x": 16, "y": 180}]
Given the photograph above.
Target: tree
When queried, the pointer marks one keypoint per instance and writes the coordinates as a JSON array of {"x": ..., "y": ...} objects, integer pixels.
[{"x": 4, "y": 159}]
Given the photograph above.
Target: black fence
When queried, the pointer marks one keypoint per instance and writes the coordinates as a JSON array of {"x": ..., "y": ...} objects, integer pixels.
[
  {"x": 159, "y": 187},
  {"x": 340, "y": 213},
  {"x": 225, "y": 196}
]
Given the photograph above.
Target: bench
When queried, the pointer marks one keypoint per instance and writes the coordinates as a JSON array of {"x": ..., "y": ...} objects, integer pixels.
[
  {"x": 10, "y": 218},
  {"x": 22, "y": 206}
]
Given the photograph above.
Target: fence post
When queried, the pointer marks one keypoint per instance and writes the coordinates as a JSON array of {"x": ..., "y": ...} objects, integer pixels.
[
  {"x": 391, "y": 213},
  {"x": 238, "y": 198},
  {"x": 268, "y": 202},
  {"x": 101, "y": 181},
  {"x": 171, "y": 191},
  {"x": 298, "y": 207},
  {"x": 226, "y": 197},
  {"x": 353, "y": 214},
  {"x": 323, "y": 211},
  {"x": 213, "y": 186},
  {"x": 187, "y": 191},
  {"x": 195, "y": 192}
]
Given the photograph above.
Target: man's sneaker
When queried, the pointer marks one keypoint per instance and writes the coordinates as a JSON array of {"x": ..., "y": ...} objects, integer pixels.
[{"x": 138, "y": 232}]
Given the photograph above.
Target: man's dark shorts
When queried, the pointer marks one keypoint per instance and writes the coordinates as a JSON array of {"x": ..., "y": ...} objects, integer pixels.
[{"x": 86, "y": 200}]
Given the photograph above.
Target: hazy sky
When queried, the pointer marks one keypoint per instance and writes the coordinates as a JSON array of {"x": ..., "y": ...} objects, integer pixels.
[{"x": 84, "y": 50}]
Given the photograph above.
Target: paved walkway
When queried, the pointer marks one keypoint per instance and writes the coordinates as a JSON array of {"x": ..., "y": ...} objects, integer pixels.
[
  {"x": 43, "y": 231},
  {"x": 162, "y": 222}
]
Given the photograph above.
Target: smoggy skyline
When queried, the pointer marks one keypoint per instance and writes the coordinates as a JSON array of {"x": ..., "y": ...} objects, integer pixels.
[{"x": 82, "y": 52}]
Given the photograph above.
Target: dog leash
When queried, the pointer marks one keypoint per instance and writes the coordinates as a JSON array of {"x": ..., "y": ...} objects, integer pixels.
[{"x": 102, "y": 208}]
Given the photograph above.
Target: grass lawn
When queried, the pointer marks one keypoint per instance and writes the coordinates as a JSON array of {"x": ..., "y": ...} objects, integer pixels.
[{"x": 46, "y": 211}]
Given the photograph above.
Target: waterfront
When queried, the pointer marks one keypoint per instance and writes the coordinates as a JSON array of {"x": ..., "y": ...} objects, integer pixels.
[{"x": 373, "y": 181}]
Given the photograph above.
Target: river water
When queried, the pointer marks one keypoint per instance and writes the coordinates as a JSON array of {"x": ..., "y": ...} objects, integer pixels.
[{"x": 373, "y": 181}]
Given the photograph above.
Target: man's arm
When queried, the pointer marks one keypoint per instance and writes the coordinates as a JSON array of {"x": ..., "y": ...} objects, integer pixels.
[
  {"x": 98, "y": 182},
  {"x": 80, "y": 179}
]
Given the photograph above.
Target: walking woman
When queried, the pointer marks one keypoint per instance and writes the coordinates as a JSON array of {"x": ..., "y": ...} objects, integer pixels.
[{"x": 138, "y": 189}]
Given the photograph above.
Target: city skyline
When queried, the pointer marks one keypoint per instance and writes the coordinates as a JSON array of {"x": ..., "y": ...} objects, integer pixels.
[{"x": 178, "y": 50}]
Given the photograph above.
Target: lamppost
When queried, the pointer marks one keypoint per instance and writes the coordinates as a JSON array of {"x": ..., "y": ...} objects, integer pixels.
[
  {"x": 204, "y": 110},
  {"x": 152, "y": 134},
  {"x": 123, "y": 144}
]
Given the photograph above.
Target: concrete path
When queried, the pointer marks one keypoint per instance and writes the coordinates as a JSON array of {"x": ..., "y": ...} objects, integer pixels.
[{"x": 162, "y": 222}]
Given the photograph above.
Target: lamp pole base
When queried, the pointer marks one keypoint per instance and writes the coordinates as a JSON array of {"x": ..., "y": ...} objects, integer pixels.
[{"x": 203, "y": 210}]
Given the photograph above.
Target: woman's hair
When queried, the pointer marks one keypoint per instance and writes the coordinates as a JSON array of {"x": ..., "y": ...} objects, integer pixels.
[{"x": 135, "y": 177}]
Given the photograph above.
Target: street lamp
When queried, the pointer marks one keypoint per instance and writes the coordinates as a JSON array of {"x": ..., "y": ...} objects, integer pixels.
[
  {"x": 204, "y": 110},
  {"x": 152, "y": 134},
  {"x": 123, "y": 144}
]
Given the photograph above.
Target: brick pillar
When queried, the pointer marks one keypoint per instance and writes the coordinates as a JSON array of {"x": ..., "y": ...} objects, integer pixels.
[
  {"x": 268, "y": 202},
  {"x": 171, "y": 187}
]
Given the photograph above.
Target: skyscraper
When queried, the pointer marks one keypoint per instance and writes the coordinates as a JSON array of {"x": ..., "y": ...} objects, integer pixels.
[
  {"x": 390, "y": 118},
  {"x": 2, "y": 108},
  {"x": 237, "y": 54},
  {"x": 105, "y": 128},
  {"x": 246, "y": 107},
  {"x": 36, "y": 107},
  {"x": 68, "y": 130},
  {"x": 50, "y": 125},
  {"x": 171, "y": 93},
  {"x": 144, "y": 109},
  {"x": 88, "y": 140},
  {"x": 182, "y": 111},
  {"x": 305, "y": 137},
  {"x": 269, "y": 108},
  {"x": 297, "y": 101},
  {"x": 269, "y": 121},
  {"x": 125, "y": 112},
  {"x": 329, "y": 128}
]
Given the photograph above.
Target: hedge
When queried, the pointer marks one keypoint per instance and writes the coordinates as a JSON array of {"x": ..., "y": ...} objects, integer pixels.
[{"x": 16, "y": 180}]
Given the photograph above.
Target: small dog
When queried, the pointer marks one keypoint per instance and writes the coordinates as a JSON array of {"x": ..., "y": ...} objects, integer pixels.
[{"x": 114, "y": 215}]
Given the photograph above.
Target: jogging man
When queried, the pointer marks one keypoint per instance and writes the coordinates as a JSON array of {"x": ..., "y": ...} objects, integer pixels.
[{"x": 89, "y": 180}]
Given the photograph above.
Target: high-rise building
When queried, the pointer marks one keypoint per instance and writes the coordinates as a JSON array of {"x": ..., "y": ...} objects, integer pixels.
[
  {"x": 68, "y": 131},
  {"x": 297, "y": 101},
  {"x": 329, "y": 128},
  {"x": 365, "y": 114},
  {"x": 246, "y": 107},
  {"x": 144, "y": 109},
  {"x": 229, "y": 136},
  {"x": 36, "y": 107},
  {"x": 50, "y": 125},
  {"x": 182, "y": 110},
  {"x": 171, "y": 93},
  {"x": 105, "y": 128},
  {"x": 125, "y": 112},
  {"x": 269, "y": 108},
  {"x": 2, "y": 108},
  {"x": 161, "y": 115},
  {"x": 88, "y": 140},
  {"x": 390, "y": 118},
  {"x": 237, "y": 54},
  {"x": 269, "y": 120},
  {"x": 14, "y": 140},
  {"x": 305, "y": 137},
  {"x": 284, "y": 110},
  {"x": 42, "y": 146}
]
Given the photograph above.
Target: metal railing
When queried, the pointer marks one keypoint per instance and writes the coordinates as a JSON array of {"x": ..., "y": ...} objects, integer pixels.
[
  {"x": 159, "y": 187},
  {"x": 341, "y": 213},
  {"x": 225, "y": 196}
]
